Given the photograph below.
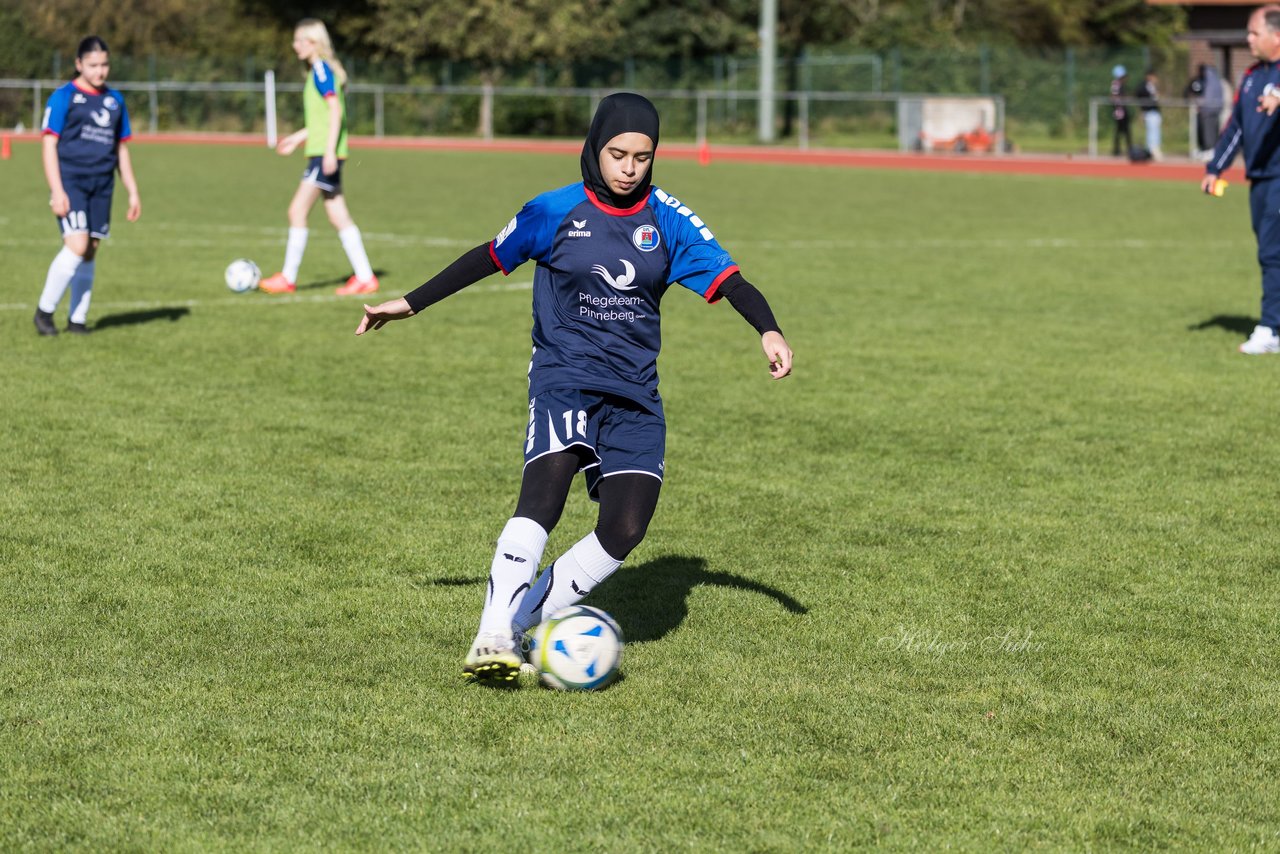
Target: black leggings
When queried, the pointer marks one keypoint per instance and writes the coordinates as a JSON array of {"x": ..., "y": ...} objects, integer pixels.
[{"x": 627, "y": 501}]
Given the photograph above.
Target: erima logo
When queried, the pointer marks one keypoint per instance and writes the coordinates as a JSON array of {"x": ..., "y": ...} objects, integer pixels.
[
  {"x": 673, "y": 202},
  {"x": 77, "y": 98},
  {"x": 623, "y": 282},
  {"x": 578, "y": 229},
  {"x": 102, "y": 119},
  {"x": 577, "y": 589},
  {"x": 514, "y": 558}
]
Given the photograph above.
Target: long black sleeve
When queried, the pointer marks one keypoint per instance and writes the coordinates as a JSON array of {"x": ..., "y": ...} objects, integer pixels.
[
  {"x": 473, "y": 266},
  {"x": 747, "y": 300}
]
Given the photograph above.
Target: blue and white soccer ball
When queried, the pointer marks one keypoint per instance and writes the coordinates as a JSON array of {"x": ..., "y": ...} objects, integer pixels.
[
  {"x": 242, "y": 275},
  {"x": 577, "y": 649}
]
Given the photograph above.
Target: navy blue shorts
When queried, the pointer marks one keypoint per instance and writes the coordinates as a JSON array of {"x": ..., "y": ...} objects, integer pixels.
[
  {"x": 90, "y": 197},
  {"x": 611, "y": 435},
  {"x": 314, "y": 174}
]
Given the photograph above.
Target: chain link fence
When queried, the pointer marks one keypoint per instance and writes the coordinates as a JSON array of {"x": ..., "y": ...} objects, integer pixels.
[{"x": 848, "y": 99}]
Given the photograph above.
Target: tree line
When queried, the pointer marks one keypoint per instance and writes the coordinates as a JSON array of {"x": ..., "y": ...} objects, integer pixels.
[{"x": 497, "y": 33}]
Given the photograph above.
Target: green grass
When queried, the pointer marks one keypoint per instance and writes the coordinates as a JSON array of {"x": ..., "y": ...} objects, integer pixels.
[{"x": 997, "y": 568}]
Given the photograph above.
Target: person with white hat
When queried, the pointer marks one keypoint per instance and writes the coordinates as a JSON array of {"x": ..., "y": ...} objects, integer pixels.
[{"x": 1120, "y": 113}]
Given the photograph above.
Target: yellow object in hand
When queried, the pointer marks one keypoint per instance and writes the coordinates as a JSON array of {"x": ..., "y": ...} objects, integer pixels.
[{"x": 1219, "y": 187}]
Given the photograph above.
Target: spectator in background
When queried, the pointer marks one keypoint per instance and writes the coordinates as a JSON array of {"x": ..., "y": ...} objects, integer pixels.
[
  {"x": 1120, "y": 113},
  {"x": 1206, "y": 90},
  {"x": 1149, "y": 101}
]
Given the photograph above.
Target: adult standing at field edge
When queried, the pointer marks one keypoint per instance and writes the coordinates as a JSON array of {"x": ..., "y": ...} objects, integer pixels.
[
  {"x": 85, "y": 135},
  {"x": 1120, "y": 113},
  {"x": 607, "y": 249},
  {"x": 1254, "y": 129},
  {"x": 325, "y": 134}
]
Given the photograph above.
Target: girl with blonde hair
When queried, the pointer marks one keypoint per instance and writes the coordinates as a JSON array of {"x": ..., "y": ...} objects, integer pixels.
[{"x": 325, "y": 134}]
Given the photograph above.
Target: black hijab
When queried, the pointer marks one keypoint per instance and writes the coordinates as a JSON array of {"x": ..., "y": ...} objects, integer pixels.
[{"x": 625, "y": 112}]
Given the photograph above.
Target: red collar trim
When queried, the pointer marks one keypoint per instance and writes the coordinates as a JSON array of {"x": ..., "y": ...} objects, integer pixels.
[
  {"x": 88, "y": 90},
  {"x": 611, "y": 210}
]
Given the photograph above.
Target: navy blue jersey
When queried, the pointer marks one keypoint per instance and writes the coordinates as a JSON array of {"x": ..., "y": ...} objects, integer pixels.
[
  {"x": 601, "y": 273},
  {"x": 1257, "y": 134},
  {"x": 90, "y": 125}
]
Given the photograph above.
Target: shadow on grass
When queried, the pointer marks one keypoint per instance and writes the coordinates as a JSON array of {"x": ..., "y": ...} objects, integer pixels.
[
  {"x": 131, "y": 318},
  {"x": 651, "y": 600},
  {"x": 1238, "y": 323},
  {"x": 330, "y": 283}
]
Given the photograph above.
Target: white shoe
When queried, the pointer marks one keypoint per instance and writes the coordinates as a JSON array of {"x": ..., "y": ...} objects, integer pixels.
[
  {"x": 494, "y": 659},
  {"x": 1263, "y": 340}
]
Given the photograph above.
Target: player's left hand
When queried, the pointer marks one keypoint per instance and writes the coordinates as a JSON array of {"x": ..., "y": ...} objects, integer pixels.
[
  {"x": 779, "y": 354},
  {"x": 135, "y": 208}
]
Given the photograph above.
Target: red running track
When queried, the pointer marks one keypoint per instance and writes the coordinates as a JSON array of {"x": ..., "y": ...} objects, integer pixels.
[{"x": 1010, "y": 164}]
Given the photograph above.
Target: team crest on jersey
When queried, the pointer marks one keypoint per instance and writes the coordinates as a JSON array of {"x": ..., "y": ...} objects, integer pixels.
[
  {"x": 646, "y": 238},
  {"x": 110, "y": 103}
]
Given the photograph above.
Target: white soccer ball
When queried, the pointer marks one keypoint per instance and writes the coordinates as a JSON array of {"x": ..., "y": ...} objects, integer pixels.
[
  {"x": 577, "y": 649},
  {"x": 242, "y": 275}
]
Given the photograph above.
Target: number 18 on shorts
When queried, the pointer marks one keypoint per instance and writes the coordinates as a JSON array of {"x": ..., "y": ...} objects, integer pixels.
[{"x": 611, "y": 434}]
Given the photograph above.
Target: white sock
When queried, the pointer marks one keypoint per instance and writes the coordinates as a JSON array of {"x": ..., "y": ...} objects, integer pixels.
[
  {"x": 354, "y": 245},
  {"x": 81, "y": 292},
  {"x": 515, "y": 560},
  {"x": 62, "y": 268},
  {"x": 293, "y": 249},
  {"x": 566, "y": 582}
]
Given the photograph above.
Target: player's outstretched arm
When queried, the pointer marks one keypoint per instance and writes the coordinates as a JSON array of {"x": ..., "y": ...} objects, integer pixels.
[
  {"x": 779, "y": 354},
  {"x": 378, "y": 316},
  {"x": 470, "y": 268},
  {"x": 747, "y": 300}
]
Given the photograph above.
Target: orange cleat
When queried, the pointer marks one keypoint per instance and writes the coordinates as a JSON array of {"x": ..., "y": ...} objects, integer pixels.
[
  {"x": 358, "y": 286},
  {"x": 277, "y": 284}
]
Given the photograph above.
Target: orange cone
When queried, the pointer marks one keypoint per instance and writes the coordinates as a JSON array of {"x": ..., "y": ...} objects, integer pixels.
[
  {"x": 704, "y": 153},
  {"x": 6, "y": 150}
]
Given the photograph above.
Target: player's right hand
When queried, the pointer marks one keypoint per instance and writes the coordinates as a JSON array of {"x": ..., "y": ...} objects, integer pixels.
[
  {"x": 378, "y": 316},
  {"x": 1206, "y": 184}
]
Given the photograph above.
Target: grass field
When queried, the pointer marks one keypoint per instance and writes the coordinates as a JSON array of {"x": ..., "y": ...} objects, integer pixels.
[{"x": 996, "y": 569}]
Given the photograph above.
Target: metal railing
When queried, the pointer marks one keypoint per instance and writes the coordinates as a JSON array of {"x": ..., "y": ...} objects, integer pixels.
[{"x": 702, "y": 112}]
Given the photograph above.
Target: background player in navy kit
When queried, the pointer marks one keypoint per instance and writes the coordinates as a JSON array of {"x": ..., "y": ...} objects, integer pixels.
[
  {"x": 606, "y": 250},
  {"x": 1253, "y": 129},
  {"x": 86, "y": 128}
]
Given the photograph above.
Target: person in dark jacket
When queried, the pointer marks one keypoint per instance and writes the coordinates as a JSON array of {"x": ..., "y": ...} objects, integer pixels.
[
  {"x": 1120, "y": 113},
  {"x": 1254, "y": 131}
]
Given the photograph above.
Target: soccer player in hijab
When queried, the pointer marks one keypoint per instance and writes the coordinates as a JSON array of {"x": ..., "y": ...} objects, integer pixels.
[{"x": 606, "y": 251}]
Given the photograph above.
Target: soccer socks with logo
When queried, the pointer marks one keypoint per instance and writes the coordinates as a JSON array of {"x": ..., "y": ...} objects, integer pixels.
[
  {"x": 566, "y": 582},
  {"x": 354, "y": 246},
  {"x": 61, "y": 271},
  {"x": 293, "y": 250},
  {"x": 515, "y": 561},
  {"x": 81, "y": 292}
]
